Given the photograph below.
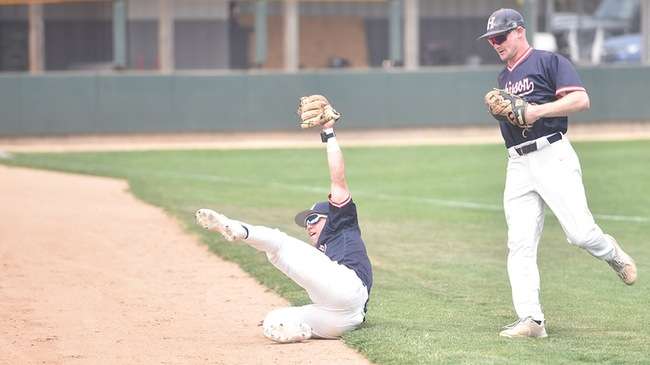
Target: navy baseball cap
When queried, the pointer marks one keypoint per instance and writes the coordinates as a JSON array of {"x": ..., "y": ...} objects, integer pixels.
[
  {"x": 503, "y": 20},
  {"x": 322, "y": 208}
]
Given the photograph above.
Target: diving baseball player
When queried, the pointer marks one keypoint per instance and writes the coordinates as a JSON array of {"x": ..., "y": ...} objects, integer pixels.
[
  {"x": 537, "y": 90},
  {"x": 334, "y": 269}
]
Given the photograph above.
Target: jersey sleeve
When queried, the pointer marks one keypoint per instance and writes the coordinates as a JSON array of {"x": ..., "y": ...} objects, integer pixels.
[
  {"x": 341, "y": 215},
  {"x": 566, "y": 77}
]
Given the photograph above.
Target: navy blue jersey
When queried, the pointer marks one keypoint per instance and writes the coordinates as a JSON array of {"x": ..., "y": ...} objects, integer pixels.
[
  {"x": 341, "y": 240},
  {"x": 539, "y": 77}
]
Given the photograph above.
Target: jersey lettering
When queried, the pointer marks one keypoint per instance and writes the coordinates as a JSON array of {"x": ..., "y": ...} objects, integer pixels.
[{"x": 521, "y": 87}]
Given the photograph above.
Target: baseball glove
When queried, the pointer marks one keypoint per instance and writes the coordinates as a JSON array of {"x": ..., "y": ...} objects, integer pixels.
[
  {"x": 507, "y": 107},
  {"x": 315, "y": 110}
]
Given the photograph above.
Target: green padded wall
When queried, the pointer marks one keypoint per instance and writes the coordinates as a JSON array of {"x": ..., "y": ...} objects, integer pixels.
[{"x": 61, "y": 103}]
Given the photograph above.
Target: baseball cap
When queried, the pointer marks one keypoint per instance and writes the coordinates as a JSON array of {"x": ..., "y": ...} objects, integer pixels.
[
  {"x": 319, "y": 208},
  {"x": 502, "y": 21}
]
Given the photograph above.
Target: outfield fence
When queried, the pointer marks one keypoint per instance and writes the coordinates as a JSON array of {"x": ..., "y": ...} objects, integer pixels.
[{"x": 95, "y": 103}]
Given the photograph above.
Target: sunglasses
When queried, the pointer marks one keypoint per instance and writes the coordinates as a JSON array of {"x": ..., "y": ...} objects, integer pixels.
[
  {"x": 313, "y": 218},
  {"x": 498, "y": 39}
]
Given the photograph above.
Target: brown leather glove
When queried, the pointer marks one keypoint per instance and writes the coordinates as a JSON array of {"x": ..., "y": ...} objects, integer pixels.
[
  {"x": 507, "y": 107},
  {"x": 315, "y": 110}
]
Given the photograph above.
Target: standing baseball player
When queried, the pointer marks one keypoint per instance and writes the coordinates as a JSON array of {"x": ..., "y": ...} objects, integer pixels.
[
  {"x": 334, "y": 269},
  {"x": 538, "y": 90}
]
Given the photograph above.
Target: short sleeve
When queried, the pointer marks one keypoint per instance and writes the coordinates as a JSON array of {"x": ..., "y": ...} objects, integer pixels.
[
  {"x": 342, "y": 215},
  {"x": 566, "y": 76}
]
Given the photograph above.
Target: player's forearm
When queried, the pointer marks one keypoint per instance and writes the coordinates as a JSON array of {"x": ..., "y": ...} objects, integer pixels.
[
  {"x": 339, "y": 187},
  {"x": 573, "y": 102}
]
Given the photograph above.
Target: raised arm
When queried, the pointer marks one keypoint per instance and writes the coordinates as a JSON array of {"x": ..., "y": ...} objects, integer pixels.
[
  {"x": 339, "y": 187},
  {"x": 315, "y": 110}
]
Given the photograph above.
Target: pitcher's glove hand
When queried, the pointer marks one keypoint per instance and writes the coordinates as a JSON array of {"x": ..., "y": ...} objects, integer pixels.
[
  {"x": 315, "y": 110},
  {"x": 507, "y": 107}
]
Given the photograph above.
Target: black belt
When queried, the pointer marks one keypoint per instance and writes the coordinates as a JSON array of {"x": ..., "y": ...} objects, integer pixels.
[{"x": 524, "y": 150}]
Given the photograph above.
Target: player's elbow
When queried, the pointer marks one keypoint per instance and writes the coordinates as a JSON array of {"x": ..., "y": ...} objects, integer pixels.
[
  {"x": 339, "y": 193},
  {"x": 584, "y": 101},
  {"x": 339, "y": 183}
]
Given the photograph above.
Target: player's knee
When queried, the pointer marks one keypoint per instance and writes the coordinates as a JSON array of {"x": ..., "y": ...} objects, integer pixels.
[{"x": 522, "y": 248}]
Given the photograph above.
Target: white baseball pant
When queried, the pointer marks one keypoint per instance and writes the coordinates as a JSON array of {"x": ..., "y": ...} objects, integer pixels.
[
  {"x": 550, "y": 175},
  {"x": 337, "y": 293}
]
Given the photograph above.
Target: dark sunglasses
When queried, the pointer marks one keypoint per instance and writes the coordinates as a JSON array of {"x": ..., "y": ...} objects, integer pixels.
[
  {"x": 498, "y": 39},
  {"x": 313, "y": 218}
]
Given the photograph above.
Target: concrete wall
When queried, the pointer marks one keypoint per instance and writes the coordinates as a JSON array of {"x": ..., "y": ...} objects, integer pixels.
[{"x": 54, "y": 104}]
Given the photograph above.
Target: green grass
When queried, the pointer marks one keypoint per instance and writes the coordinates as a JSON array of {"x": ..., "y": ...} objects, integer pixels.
[{"x": 441, "y": 291}]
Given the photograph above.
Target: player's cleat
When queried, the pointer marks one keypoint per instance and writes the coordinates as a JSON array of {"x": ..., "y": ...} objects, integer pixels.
[
  {"x": 213, "y": 221},
  {"x": 287, "y": 332},
  {"x": 622, "y": 263},
  {"x": 524, "y": 327},
  {"x": 509, "y": 326}
]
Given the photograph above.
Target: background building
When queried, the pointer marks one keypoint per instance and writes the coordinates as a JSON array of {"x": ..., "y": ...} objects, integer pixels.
[{"x": 243, "y": 34}]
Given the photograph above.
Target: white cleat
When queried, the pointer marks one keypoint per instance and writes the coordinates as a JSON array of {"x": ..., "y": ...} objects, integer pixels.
[
  {"x": 213, "y": 221},
  {"x": 525, "y": 327},
  {"x": 622, "y": 263},
  {"x": 287, "y": 332}
]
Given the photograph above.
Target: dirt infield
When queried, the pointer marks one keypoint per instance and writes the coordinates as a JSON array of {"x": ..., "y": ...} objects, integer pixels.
[{"x": 90, "y": 275}]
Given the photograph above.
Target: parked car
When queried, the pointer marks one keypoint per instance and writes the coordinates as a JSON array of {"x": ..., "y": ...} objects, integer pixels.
[
  {"x": 582, "y": 36},
  {"x": 622, "y": 49}
]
